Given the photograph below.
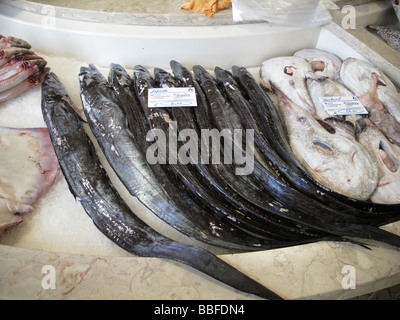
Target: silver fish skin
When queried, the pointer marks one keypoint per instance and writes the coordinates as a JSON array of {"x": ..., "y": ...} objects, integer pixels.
[
  {"x": 324, "y": 64},
  {"x": 89, "y": 182},
  {"x": 335, "y": 161},
  {"x": 356, "y": 75},
  {"x": 387, "y": 156},
  {"x": 288, "y": 75},
  {"x": 390, "y": 35}
]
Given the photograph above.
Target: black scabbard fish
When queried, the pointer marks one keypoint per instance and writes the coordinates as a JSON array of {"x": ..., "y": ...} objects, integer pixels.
[
  {"x": 90, "y": 184},
  {"x": 277, "y": 147},
  {"x": 181, "y": 193},
  {"x": 123, "y": 151},
  {"x": 304, "y": 210},
  {"x": 185, "y": 118}
]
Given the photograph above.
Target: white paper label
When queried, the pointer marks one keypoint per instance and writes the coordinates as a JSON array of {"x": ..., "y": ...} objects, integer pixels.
[
  {"x": 172, "y": 97},
  {"x": 338, "y": 106}
]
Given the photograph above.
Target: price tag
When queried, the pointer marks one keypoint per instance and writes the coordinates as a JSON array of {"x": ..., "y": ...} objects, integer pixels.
[
  {"x": 340, "y": 106},
  {"x": 172, "y": 97}
]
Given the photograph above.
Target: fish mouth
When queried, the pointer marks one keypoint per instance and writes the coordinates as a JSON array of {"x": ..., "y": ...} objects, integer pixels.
[{"x": 395, "y": 2}]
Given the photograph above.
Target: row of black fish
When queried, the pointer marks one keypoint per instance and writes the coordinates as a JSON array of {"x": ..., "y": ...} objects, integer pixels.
[{"x": 276, "y": 205}]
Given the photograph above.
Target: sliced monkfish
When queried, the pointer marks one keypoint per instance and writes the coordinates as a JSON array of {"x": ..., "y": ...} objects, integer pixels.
[
  {"x": 387, "y": 156},
  {"x": 378, "y": 114},
  {"x": 324, "y": 64},
  {"x": 336, "y": 161},
  {"x": 288, "y": 75},
  {"x": 28, "y": 168},
  {"x": 356, "y": 76},
  {"x": 325, "y": 88}
]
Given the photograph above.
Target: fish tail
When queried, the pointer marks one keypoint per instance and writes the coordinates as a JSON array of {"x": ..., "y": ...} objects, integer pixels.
[{"x": 215, "y": 267}]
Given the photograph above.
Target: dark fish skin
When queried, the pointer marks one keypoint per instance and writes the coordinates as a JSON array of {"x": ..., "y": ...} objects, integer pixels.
[
  {"x": 232, "y": 191},
  {"x": 304, "y": 210},
  {"x": 89, "y": 183},
  {"x": 108, "y": 124},
  {"x": 218, "y": 195},
  {"x": 177, "y": 192},
  {"x": 270, "y": 123}
]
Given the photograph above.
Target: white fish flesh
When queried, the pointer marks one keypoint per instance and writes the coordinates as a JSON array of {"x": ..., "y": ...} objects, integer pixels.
[
  {"x": 356, "y": 75},
  {"x": 325, "y": 88},
  {"x": 339, "y": 163},
  {"x": 378, "y": 114},
  {"x": 288, "y": 75},
  {"x": 28, "y": 168},
  {"x": 324, "y": 64},
  {"x": 387, "y": 156}
]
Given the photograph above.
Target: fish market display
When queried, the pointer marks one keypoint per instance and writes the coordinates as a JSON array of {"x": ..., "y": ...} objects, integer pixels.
[
  {"x": 387, "y": 156},
  {"x": 20, "y": 68},
  {"x": 89, "y": 182},
  {"x": 279, "y": 170},
  {"x": 28, "y": 168}
]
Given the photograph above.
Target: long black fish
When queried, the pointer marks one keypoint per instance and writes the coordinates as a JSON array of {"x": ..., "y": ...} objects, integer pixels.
[
  {"x": 89, "y": 183},
  {"x": 185, "y": 118},
  {"x": 180, "y": 193},
  {"x": 124, "y": 152},
  {"x": 266, "y": 116},
  {"x": 272, "y": 209},
  {"x": 303, "y": 209}
]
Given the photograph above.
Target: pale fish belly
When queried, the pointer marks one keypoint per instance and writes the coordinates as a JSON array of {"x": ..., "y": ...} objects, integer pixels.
[
  {"x": 356, "y": 75},
  {"x": 387, "y": 156},
  {"x": 28, "y": 168},
  {"x": 336, "y": 161},
  {"x": 288, "y": 75}
]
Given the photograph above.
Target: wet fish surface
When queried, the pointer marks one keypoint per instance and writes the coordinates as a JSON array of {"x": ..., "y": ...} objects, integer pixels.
[
  {"x": 89, "y": 183},
  {"x": 131, "y": 165}
]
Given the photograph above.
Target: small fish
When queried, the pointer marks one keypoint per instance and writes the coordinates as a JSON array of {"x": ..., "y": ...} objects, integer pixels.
[
  {"x": 289, "y": 74},
  {"x": 390, "y": 35},
  {"x": 324, "y": 64},
  {"x": 7, "y": 42},
  {"x": 387, "y": 156},
  {"x": 31, "y": 81},
  {"x": 21, "y": 72}
]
